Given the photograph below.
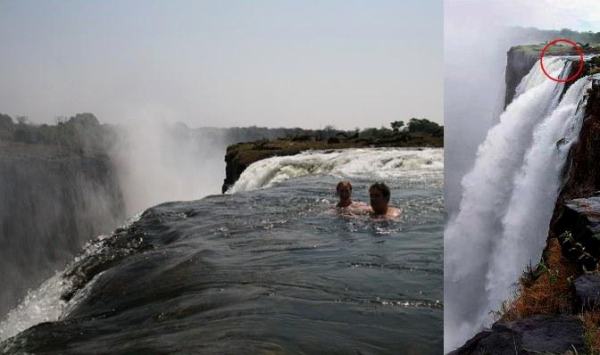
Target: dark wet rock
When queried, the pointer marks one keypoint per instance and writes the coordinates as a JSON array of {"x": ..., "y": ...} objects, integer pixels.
[
  {"x": 584, "y": 213},
  {"x": 587, "y": 291},
  {"x": 579, "y": 223},
  {"x": 577, "y": 209},
  {"x": 108, "y": 252},
  {"x": 518, "y": 64},
  {"x": 587, "y": 262},
  {"x": 582, "y": 171},
  {"x": 556, "y": 334}
]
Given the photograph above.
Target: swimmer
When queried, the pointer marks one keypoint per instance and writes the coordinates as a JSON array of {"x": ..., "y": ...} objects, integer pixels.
[
  {"x": 344, "y": 191},
  {"x": 379, "y": 195}
]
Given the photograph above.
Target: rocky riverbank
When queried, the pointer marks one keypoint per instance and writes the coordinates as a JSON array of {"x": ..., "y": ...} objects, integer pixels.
[{"x": 240, "y": 156}]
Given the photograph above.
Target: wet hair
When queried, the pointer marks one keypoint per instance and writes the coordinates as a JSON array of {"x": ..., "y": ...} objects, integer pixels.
[
  {"x": 342, "y": 184},
  {"x": 383, "y": 188}
]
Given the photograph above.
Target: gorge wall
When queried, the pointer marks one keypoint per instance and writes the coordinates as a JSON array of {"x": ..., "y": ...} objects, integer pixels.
[
  {"x": 555, "y": 309},
  {"x": 518, "y": 63},
  {"x": 52, "y": 200}
]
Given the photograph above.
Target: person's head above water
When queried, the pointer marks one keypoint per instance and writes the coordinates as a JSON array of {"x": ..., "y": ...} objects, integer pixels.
[
  {"x": 344, "y": 191},
  {"x": 379, "y": 195}
]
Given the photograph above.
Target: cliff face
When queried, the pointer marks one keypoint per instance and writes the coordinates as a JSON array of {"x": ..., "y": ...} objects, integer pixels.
[
  {"x": 575, "y": 233},
  {"x": 520, "y": 60},
  {"x": 583, "y": 173},
  {"x": 518, "y": 64},
  {"x": 576, "y": 208},
  {"x": 52, "y": 200}
]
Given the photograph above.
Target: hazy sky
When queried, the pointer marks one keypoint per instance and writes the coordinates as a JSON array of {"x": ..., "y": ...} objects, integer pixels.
[
  {"x": 579, "y": 15},
  {"x": 223, "y": 63}
]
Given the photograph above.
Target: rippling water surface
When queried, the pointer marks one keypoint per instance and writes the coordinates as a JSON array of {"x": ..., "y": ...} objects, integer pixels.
[{"x": 273, "y": 270}]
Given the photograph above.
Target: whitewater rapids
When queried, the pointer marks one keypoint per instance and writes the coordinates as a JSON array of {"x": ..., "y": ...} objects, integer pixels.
[{"x": 377, "y": 164}]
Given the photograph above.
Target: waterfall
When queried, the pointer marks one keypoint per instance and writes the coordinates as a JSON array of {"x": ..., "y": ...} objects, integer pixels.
[
  {"x": 508, "y": 198},
  {"x": 377, "y": 164}
]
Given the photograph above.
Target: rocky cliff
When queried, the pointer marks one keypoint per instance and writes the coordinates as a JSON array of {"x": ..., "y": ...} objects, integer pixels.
[
  {"x": 557, "y": 310},
  {"x": 240, "y": 156},
  {"x": 519, "y": 61},
  {"x": 53, "y": 198}
]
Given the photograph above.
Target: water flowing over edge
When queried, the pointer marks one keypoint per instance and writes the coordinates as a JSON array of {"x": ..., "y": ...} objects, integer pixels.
[
  {"x": 368, "y": 163},
  {"x": 507, "y": 200},
  {"x": 44, "y": 304}
]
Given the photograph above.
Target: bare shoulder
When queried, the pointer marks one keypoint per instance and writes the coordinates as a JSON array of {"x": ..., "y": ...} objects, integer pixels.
[
  {"x": 394, "y": 212},
  {"x": 361, "y": 207}
]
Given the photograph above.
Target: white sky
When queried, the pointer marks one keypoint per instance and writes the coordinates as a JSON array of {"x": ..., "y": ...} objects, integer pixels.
[
  {"x": 303, "y": 63},
  {"x": 578, "y": 15}
]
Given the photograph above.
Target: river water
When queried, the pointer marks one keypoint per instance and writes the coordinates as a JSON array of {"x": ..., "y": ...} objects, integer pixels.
[{"x": 265, "y": 270}]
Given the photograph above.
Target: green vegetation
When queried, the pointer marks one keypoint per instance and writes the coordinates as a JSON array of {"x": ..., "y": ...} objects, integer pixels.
[
  {"x": 416, "y": 127},
  {"x": 548, "y": 35},
  {"x": 557, "y": 49},
  {"x": 423, "y": 125},
  {"x": 82, "y": 132},
  {"x": 419, "y": 132},
  {"x": 588, "y": 41},
  {"x": 397, "y": 125}
]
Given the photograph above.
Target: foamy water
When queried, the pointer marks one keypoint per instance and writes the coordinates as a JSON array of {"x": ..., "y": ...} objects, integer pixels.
[
  {"x": 416, "y": 165},
  {"x": 44, "y": 304}
]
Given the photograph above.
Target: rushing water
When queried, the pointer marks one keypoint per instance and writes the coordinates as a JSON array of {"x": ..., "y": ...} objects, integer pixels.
[
  {"x": 508, "y": 199},
  {"x": 269, "y": 270}
]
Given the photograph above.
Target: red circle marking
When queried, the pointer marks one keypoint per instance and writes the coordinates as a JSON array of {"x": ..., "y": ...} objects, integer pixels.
[{"x": 581, "y": 62}]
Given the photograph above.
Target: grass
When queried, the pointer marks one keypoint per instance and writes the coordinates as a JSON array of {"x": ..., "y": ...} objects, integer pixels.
[
  {"x": 591, "y": 323},
  {"x": 545, "y": 289}
]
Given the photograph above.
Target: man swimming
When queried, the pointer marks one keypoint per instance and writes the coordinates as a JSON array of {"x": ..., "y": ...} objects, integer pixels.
[
  {"x": 344, "y": 192},
  {"x": 379, "y": 195}
]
